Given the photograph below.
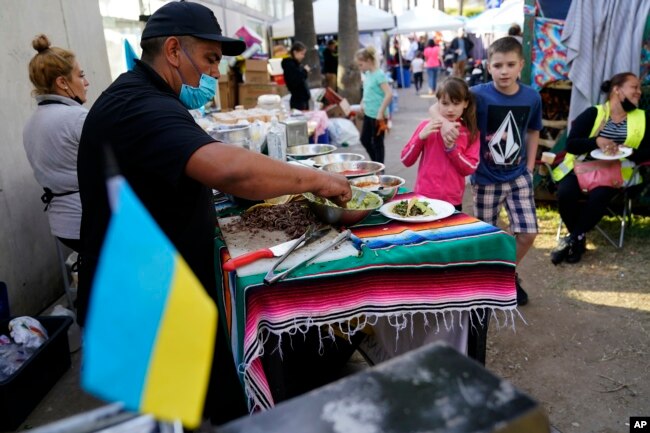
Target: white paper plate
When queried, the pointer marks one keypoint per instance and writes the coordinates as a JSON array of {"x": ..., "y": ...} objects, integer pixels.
[
  {"x": 623, "y": 152},
  {"x": 441, "y": 208}
]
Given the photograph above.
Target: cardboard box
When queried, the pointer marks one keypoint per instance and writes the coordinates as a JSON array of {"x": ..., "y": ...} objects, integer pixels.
[
  {"x": 275, "y": 67},
  {"x": 256, "y": 77},
  {"x": 248, "y": 93},
  {"x": 226, "y": 73},
  {"x": 228, "y": 94},
  {"x": 256, "y": 65},
  {"x": 342, "y": 109},
  {"x": 330, "y": 97}
]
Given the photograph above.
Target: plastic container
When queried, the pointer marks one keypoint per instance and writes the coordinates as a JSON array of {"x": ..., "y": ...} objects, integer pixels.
[
  {"x": 276, "y": 140},
  {"x": 22, "y": 391}
]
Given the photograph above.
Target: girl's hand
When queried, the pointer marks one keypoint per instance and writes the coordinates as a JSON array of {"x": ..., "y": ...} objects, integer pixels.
[
  {"x": 450, "y": 132},
  {"x": 431, "y": 127},
  {"x": 380, "y": 116}
]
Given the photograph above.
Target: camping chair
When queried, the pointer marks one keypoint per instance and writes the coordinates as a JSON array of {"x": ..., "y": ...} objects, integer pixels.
[{"x": 627, "y": 194}]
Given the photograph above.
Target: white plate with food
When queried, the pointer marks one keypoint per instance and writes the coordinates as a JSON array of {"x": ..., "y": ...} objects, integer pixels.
[
  {"x": 623, "y": 152},
  {"x": 417, "y": 209}
]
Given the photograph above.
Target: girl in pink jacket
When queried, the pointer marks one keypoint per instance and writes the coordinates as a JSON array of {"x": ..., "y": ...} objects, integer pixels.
[{"x": 445, "y": 163}]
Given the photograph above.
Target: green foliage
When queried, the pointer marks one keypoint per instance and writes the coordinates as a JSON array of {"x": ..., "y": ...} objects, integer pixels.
[{"x": 468, "y": 11}]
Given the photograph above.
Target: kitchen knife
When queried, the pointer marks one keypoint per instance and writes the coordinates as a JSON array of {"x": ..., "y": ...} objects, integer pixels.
[
  {"x": 279, "y": 250},
  {"x": 264, "y": 253}
]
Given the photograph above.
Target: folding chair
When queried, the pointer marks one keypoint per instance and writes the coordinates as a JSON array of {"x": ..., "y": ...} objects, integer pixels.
[{"x": 627, "y": 193}]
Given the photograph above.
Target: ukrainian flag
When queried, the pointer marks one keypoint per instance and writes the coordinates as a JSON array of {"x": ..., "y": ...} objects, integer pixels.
[
  {"x": 149, "y": 339},
  {"x": 129, "y": 55}
]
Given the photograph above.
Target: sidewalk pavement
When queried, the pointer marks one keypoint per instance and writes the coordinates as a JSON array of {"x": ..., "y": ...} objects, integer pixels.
[{"x": 67, "y": 398}]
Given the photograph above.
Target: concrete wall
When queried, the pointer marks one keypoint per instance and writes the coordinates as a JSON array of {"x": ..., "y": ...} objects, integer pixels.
[{"x": 28, "y": 260}]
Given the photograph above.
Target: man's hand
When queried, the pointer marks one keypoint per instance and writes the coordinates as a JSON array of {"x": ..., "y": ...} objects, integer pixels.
[
  {"x": 335, "y": 187},
  {"x": 431, "y": 127},
  {"x": 307, "y": 68}
]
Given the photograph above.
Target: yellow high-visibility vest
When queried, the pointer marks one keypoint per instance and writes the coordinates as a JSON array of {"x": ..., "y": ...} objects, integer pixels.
[{"x": 635, "y": 132}]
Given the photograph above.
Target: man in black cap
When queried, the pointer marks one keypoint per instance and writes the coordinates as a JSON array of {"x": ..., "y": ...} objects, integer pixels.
[{"x": 172, "y": 164}]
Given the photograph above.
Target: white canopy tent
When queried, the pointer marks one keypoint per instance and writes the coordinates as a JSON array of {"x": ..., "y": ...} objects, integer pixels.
[
  {"x": 326, "y": 20},
  {"x": 499, "y": 19},
  {"x": 423, "y": 19}
]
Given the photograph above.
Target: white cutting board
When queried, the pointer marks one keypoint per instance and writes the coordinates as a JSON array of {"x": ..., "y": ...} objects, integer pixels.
[{"x": 241, "y": 242}]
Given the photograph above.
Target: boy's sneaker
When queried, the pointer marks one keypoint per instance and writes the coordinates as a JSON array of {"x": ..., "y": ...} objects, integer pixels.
[
  {"x": 522, "y": 296},
  {"x": 576, "y": 248},
  {"x": 560, "y": 252}
]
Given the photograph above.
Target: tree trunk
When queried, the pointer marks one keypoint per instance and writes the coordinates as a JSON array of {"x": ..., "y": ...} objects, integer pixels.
[
  {"x": 441, "y": 5},
  {"x": 305, "y": 32},
  {"x": 348, "y": 76},
  {"x": 460, "y": 7}
]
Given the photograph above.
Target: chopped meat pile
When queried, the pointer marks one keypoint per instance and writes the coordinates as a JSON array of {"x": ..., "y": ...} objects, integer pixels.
[{"x": 292, "y": 218}]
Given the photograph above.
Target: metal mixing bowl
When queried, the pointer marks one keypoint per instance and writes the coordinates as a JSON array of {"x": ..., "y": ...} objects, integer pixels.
[
  {"x": 336, "y": 157},
  {"x": 307, "y": 150},
  {"x": 332, "y": 214},
  {"x": 354, "y": 168},
  {"x": 386, "y": 186},
  {"x": 239, "y": 135}
]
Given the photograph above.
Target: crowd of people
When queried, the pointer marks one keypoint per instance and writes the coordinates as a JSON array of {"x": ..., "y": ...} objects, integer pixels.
[{"x": 489, "y": 131}]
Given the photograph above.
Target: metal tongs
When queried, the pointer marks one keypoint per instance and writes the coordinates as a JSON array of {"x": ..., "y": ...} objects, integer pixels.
[{"x": 272, "y": 278}]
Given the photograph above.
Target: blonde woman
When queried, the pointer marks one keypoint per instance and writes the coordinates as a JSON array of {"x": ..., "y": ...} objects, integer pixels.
[
  {"x": 51, "y": 135},
  {"x": 377, "y": 95}
]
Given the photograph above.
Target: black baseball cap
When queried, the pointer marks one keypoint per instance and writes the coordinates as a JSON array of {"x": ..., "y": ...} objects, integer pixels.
[{"x": 183, "y": 18}]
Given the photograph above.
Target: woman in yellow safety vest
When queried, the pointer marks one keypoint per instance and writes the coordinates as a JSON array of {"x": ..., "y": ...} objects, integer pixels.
[{"x": 617, "y": 122}]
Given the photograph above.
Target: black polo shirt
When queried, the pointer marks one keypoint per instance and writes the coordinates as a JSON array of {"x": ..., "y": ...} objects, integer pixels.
[{"x": 152, "y": 136}]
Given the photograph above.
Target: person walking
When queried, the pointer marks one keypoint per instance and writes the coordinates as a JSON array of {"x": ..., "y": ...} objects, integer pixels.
[
  {"x": 461, "y": 46},
  {"x": 433, "y": 62},
  {"x": 417, "y": 68},
  {"x": 331, "y": 64}
]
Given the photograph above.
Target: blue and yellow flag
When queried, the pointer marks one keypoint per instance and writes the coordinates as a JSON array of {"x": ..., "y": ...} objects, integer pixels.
[
  {"x": 149, "y": 339},
  {"x": 129, "y": 55}
]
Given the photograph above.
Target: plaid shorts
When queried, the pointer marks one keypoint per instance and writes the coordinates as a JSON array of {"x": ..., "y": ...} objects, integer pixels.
[{"x": 519, "y": 198}]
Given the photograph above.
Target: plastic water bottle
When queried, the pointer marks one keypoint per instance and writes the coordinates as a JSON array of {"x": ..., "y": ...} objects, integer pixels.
[
  {"x": 276, "y": 140},
  {"x": 74, "y": 331}
]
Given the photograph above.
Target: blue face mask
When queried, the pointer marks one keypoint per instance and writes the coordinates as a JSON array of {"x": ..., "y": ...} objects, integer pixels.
[{"x": 197, "y": 97}]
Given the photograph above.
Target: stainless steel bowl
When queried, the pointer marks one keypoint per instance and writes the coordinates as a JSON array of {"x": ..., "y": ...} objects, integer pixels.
[
  {"x": 307, "y": 150},
  {"x": 332, "y": 214},
  {"x": 239, "y": 135},
  {"x": 386, "y": 186},
  {"x": 336, "y": 157},
  {"x": 354, "y": 168}
]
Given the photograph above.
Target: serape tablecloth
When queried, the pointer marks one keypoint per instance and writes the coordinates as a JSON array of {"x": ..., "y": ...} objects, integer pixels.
[{"x": 455, "y": 264}]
